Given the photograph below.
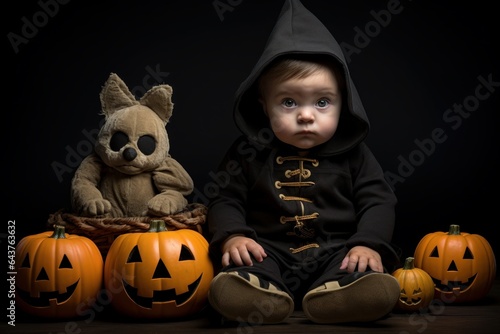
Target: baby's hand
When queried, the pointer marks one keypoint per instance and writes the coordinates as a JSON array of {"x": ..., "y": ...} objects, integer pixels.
[
  {"x": 240, "y": 249},
  {"x": 362, "y": 257}
]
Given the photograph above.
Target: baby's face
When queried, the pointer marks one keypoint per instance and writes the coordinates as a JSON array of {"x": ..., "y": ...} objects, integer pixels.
[{"x": 303, "y": 112}]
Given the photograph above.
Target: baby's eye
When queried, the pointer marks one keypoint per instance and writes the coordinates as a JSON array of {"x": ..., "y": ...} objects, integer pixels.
[
  {"x": 323, "y": 103},
  {"x": 288, "y": 103}
]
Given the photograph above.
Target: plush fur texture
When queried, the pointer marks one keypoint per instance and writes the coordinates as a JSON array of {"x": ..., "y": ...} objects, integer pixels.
[{"x": 131, "y": 172}]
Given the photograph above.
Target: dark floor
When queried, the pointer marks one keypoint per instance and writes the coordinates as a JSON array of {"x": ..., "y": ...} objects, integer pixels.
[{"x": 482, "y": 317}]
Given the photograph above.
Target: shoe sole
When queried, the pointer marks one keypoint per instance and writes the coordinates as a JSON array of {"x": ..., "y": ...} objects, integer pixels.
[
  {"x": 238, "y": 299},
  {"x": 355, "y": 302}
]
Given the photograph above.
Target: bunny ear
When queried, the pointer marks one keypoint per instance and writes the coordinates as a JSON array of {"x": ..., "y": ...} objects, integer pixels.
[
  {"x": 115, "y": 95},
  {"x": 159, "y": 99}
]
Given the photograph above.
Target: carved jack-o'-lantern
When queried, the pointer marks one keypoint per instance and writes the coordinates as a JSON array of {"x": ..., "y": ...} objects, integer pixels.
[
  {"x": 417, "y": 287},
  {"x": 160, "y": 273},
  {"x": 462, "y": 265},
  {"x": 57, "y": 274}
]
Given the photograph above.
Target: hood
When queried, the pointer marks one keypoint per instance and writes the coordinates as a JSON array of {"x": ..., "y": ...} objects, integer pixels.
[{"x": 298, "y": 32}]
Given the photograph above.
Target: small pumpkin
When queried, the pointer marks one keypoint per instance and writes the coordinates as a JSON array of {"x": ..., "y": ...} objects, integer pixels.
[
  {"x": 57, "y": 274},
  {"x": 417, "y": 287},
  {"x": 159, "y": 273},
  {"x": 462, "y": 265}
]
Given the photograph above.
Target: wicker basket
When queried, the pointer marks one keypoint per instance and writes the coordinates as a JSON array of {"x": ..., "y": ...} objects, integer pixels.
[{"x": 103, "y": 231}]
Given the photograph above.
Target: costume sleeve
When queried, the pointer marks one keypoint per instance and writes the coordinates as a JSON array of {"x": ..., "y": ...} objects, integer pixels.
[
  {"x": 375, "y": 207},
  {"x": 226, "y": 211}
]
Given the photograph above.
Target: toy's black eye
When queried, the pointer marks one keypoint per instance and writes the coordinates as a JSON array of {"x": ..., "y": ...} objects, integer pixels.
[
  {"x": 118, "y": 140},
  {"x": 147, "y": 144}
]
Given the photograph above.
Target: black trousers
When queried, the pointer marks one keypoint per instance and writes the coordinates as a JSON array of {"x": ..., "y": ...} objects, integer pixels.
[{"x": 297, "y": 273}]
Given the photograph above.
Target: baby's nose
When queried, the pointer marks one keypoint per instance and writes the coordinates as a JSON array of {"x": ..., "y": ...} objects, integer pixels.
[{"x": 305, "y": 114}]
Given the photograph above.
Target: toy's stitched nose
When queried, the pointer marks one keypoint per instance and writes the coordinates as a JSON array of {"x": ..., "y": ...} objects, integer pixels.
[{"x": 129, "y": 154}]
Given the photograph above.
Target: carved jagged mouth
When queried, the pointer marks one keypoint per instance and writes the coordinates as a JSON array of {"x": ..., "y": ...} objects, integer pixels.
[
  {"x": 44, "y": 299},
  {"x": 161, "y": 296},
  {"x": 453, "y": 285},
  {"x": 410, "y": 301}
]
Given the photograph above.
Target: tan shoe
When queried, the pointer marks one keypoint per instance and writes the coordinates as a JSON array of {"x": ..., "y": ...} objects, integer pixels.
[
  {"x": 368, "y": 298},
  {"x": 243, "y": 297}
]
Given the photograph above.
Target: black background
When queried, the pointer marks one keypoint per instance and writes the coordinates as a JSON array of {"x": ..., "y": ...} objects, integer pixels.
[{"x": 414, "y": 68}]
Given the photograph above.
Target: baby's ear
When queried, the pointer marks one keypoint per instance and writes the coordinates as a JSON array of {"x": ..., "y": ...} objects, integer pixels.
[
  {"x": 159, "y": 99},
  {"x": 115, "y": 95}
]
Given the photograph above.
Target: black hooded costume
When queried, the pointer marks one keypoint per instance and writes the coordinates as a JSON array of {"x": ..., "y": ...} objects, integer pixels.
[{"x": 350, "y": 202}]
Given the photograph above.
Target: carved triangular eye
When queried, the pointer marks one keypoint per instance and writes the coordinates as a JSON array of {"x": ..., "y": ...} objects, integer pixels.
[
  {"x": 65, "y": 263},
  {"x": 468, "y": 254},
  {"x": 134, "y": 255},
  {"x": 26, "y": 261},
  {"x": 435, "y": 252},
  {"x": 417, "y": 291},
  {"x": 186, "y": 254}
]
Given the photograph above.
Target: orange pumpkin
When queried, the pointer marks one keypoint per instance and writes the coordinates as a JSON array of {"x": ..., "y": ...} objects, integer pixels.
[
  {"x": 417, "y": 287},
  {"x": 160, "y": 273},
  {"x": 57, "y": 274},
  {"x": 462, "y": 265}
]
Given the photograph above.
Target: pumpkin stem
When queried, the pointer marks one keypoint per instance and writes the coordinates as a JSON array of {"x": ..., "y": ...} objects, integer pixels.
[
  {"x": 454, "y": 230},
  {"x": 157, "y": 226},
  {"x": 59, "y": 232},
  {"x": 409, "y": 263}
]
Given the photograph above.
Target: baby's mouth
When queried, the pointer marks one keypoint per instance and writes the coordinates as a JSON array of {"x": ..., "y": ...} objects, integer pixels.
[{"x": 305, "y": 132}]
